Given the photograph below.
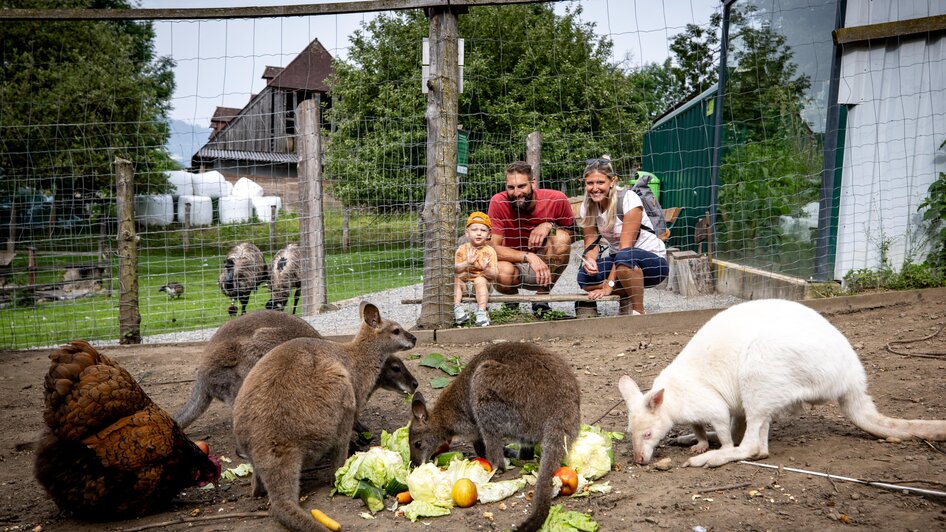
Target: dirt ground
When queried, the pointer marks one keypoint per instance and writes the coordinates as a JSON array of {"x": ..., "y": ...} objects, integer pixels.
[{"x": 818, "y": 440}]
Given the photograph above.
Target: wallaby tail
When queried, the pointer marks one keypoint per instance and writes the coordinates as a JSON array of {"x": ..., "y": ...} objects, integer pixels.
[
  {"x": 553, "y": 451},
  {"x": 282, "y": 482},
  {"x": 860, "y": 409},
  {"x": 195, "y": 406}
]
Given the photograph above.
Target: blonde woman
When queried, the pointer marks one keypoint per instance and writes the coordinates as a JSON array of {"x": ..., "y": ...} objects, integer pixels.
[{"x": 636, "y": 257}]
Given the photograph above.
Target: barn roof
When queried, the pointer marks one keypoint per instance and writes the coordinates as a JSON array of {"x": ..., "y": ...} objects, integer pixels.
[{"x": 309, "y": 70}]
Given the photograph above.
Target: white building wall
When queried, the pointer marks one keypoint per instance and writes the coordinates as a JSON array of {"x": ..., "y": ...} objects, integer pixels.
[{"x": 896, "y": 93}]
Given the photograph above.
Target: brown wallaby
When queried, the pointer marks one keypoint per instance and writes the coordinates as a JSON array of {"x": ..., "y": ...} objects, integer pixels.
[
  {"x": 299, "y": 403},
  {"x": 239, "y": 344},
  {"x": 508, "y": 392}
]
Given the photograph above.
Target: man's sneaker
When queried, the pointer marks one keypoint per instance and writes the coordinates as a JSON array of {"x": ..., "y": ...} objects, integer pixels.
[
  {"x": 460, "y": 315},
  {"x": 482, "y": 318},
  {"x": 539, "y": 309},
  {"x": 586, "y": 309}
]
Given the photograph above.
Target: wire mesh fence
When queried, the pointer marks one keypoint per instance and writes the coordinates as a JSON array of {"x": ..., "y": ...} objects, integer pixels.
[{"x": 78, "y": 94}]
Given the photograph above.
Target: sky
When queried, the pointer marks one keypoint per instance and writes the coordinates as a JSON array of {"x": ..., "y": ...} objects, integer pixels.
[{"x": 220, "y": 62}]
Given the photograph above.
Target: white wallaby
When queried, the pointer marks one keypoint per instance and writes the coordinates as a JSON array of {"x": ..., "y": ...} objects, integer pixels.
[{"x": 747, "y": 364}]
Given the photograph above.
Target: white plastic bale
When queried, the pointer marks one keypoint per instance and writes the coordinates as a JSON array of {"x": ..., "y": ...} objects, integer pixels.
[
  {"x": 235, "y": 209},
  {"x": 211, "y": 184},
  {"x": 247, "y": 188},
  {"x": 182, "y": 183},
  {"x": 202, "y": 210},
  {"x": 263, "y": 207},
  {"x": 154, "y": 210}
]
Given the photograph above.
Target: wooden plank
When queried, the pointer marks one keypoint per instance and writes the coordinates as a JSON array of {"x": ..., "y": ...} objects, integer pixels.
[
  {"x": 532, "y": 298},
  {"x": 338, "y": 8},
  {"x": 885, "y": 30}
]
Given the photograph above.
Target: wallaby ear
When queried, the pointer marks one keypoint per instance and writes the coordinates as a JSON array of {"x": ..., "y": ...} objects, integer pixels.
[
  {"x": 370, "y": 315},
  {"x": 655, "y": 399},
  {"x": 419, "y": 408},
  {"x": 628, "y": 388}
]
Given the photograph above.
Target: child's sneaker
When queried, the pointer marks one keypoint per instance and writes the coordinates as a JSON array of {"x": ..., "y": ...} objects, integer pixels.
[
  {"x": 460, "y": 315},
  {"x": 482, "y": 318}
]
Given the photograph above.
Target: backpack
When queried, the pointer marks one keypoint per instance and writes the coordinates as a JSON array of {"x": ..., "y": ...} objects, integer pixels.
[{"x": 651, "y": 206}]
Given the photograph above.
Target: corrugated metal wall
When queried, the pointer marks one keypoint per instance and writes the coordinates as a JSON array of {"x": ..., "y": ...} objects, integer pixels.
[{"x": 679, "y": 150}]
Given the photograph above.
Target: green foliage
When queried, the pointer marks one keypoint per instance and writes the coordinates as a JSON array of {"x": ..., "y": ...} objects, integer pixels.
[
  {"x": 761, "y": 182},
  {"x": 695, "y": 68},
  {"x": 910, "y": 277},
  {"x": 526, "y": 69},
  {"x": 934, "y": 214},
  {"x": 74, "y": 95}
]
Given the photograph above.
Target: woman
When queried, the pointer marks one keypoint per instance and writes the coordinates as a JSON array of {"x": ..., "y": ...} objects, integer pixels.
[{"x": 637, "y": 258}]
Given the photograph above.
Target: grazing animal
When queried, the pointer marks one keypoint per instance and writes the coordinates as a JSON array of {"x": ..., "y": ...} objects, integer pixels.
[
  {"x": 747, "y": 364},
  {"x": 243, "y": 270},
  {"x": 507, "y": 392},
  {"x": 299, "y": 404},
  {"x": 285, "y": 275},
  {"x": 108, "y": 451},
  {"x": 173, "y": 290},
  {"x": 239, "y": 344}
]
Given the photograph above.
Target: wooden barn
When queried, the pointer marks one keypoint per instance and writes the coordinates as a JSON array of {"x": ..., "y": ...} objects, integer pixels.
[{"x": 259, "y": 140}]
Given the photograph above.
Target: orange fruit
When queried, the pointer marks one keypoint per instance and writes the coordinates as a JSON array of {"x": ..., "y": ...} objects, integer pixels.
[
  {"x": 569, "y": 479},
  {"x": 483, "y": 462},
  {"x": 464, "y": 493},
  {"x": 203, "y": 446}
]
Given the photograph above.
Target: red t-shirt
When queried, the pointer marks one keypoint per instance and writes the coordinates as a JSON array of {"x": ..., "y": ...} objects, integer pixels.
[{"x": 550, "y": 206}]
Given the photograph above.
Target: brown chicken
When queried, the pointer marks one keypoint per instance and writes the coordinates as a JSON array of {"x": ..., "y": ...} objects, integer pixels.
[{"x": 109, "y": 451}]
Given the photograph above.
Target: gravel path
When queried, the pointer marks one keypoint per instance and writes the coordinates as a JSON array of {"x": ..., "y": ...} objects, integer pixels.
[{"x": 345, "y": 320}]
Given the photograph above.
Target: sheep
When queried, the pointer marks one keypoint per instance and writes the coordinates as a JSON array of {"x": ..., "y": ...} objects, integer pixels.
[
  {"x": 243, "y": 270},
  {"x": 285, "y": 274}
]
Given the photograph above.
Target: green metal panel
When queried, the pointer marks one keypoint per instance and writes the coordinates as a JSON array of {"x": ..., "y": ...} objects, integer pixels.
[
  {"x": 679, "y": 150},
  {"x": 836, "y": 193},
  {"x": 463, "y": 151}
]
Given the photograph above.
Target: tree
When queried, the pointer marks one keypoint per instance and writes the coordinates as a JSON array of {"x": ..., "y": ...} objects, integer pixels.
[
  {"x": 526, "y": 69},
  {"x": 75, "y": 95},
  {"x": 696, "y": 64}
]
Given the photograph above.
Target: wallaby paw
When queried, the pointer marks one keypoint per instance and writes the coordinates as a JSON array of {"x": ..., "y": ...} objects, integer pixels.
[{"x": 699, "y": 448}]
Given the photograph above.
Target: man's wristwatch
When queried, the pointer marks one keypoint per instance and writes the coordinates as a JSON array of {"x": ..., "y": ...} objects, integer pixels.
[
  {"x": 525, "y": 256},
  {"x": 610, "y": 284},
  {"x": 552, "y": 229}
]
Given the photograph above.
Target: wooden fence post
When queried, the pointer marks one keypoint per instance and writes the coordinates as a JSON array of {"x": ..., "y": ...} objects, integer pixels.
[
  {"x": 129, "y": 317},
  {"x": 312, "y": 220},
  {"x": 534, "y": 155},
  {"x": 440, "y": 205}
]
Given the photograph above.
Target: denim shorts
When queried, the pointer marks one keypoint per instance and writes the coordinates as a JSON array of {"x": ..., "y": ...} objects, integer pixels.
[{"x": 655, "y": 268}]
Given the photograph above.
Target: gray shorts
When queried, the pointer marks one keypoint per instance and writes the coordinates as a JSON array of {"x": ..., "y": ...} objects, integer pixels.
[{"x": 527, "y": 277}]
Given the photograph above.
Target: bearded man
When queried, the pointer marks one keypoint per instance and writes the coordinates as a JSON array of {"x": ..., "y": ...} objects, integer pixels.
[{"x": 532, "y": 234}]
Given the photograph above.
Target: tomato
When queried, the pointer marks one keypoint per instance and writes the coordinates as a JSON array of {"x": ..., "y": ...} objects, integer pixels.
[
  {"x": 464, "y": 493},
  {"x": 483, "y": 462},
  {"x": 203, "y": 446},
  {"x": 569, "y": 479}
]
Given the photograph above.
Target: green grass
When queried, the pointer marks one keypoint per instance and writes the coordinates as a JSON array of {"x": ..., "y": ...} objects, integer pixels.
[{"x": 381, "y": 257}]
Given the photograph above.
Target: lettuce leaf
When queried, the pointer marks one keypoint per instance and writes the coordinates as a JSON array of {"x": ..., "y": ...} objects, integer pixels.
[
  {"x": 560, "y": 520},
  {"x": 397, "y": 441},
  {"x": 377, "y": 465}
]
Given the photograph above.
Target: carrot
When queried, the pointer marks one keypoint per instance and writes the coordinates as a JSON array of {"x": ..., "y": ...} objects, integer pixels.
[
  {"x": 325, "y": 520},
  {"x": 404, "y": 497}
]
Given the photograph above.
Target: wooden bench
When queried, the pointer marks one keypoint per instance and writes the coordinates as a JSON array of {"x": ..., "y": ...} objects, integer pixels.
[{"x": 524, "y": 298}]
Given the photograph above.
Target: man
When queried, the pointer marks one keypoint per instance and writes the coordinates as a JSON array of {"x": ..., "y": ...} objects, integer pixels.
[{"x": 532, "y": 234}]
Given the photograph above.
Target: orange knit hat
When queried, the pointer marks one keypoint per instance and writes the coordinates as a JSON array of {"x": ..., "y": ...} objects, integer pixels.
[{"x": 479, "y": 218}]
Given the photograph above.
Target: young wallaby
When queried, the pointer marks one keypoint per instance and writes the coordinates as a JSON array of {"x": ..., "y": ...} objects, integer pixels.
[
  {"x": 747, "y": 364},
  {"x": 508, "y": 392},
  {"x": 239, "y": 344},
  {"x": 299, "y": 402}
]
